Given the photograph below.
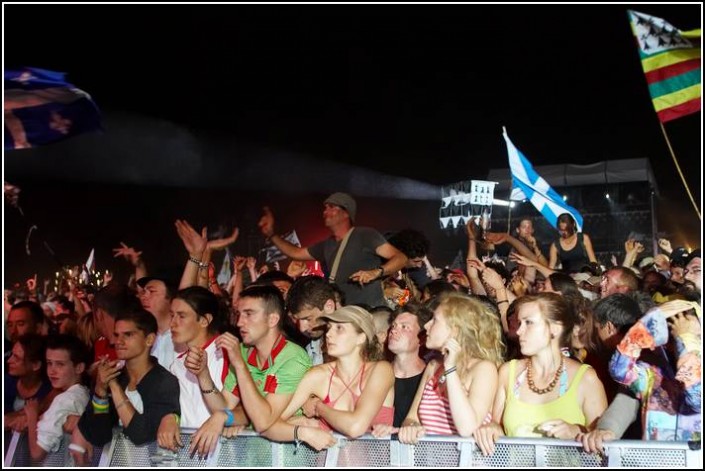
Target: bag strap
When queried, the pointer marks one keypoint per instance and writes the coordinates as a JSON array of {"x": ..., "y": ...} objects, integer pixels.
[{"x": 339, "y": 255}]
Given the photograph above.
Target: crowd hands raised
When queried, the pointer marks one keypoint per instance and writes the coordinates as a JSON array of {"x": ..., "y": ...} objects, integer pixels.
[{"x": 381, "y": 343}]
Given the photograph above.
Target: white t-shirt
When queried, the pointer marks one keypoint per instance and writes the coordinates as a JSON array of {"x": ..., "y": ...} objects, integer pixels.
[
  {"x": 193, "y": 408},
  {"x": 50, "y": 430},
  {"x": 163, "y": 349}
]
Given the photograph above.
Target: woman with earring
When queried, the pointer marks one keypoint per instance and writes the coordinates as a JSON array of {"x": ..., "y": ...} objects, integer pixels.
[{"x": 546, "y": 394}]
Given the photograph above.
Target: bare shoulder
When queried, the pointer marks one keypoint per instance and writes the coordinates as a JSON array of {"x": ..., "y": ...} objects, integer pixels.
[
  {"x": 483, "y": 367},
  {"x": 379, "y": 367}
]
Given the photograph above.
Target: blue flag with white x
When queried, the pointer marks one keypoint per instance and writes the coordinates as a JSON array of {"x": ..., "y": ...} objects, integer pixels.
[
  {"x": 41, "y": 107},
  {"x": 527, "y": 184}
]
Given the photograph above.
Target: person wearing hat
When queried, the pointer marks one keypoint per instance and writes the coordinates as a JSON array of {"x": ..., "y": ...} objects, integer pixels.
[
  {"x": 693, "y": 269},
  {"x": 365, "y": 259},
  {"x": 349, "y": 394}
]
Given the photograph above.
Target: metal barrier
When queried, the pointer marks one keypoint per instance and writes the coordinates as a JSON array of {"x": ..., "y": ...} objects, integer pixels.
[{"x": 251, "y": 450}]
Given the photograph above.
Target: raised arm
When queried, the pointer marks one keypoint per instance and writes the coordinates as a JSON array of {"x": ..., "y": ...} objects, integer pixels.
[
  {"x": 195, "y": 245},
  {"x": 132, "y": 256},
  {"x": 266, "y": 225}
]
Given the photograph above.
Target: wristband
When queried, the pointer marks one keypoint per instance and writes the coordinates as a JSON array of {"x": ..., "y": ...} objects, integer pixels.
[
  {"x": 77, "y": 447},
  {"x": 297, "y": 441},
  {"x": 230, "y": 421},
  {"x": 502, "y": 301}
]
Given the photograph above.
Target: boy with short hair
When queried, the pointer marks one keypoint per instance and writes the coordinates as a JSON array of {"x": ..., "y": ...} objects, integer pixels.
[{"x": 66, "y": 361}]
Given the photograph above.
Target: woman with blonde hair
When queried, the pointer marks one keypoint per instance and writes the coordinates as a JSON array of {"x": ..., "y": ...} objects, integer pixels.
[
  {"x": 456, "y": 393},
  {"x": 349, "y": 394},
  {"x": 545, "y": 394}
]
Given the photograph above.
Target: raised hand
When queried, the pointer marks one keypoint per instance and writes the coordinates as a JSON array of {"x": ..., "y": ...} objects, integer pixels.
[
  {"x": 239, "y": 263},
  {"x": 128, "y": 253},
  {"x": 451, "y": 349},
  {"x": 194, "y": 242},
  {"x": 665, "y": 245},
  {"x": 219, "y": 244}
]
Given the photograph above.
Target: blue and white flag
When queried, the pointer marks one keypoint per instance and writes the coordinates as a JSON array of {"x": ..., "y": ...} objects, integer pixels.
[
  {"x": 273, "y": 254},
  {"x": 41, "y": 108},
  {"x": 527, "y": 184}
]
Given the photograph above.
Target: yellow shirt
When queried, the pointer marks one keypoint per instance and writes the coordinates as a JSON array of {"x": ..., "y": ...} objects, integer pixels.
[{"x": 521, "y": 419}]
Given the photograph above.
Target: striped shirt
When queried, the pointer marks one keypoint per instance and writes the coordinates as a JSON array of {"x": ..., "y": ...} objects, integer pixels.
[{"x": 434, "y": 408}]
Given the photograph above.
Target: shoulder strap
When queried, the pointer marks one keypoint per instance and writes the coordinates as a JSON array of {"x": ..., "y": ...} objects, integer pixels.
[
  {"x": 339, "y": 255},
  {"x": 582, "y": 244}
]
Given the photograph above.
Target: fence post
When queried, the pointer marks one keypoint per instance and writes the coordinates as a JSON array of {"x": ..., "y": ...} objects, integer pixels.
[{"x": 466, "y": 449}]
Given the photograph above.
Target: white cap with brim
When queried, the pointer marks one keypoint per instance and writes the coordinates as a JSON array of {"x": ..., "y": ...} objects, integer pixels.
[{"x": 355, "y": 315}]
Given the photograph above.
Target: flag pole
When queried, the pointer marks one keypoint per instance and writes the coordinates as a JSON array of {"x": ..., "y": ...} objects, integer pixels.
[{"x": 675, "y": 161}]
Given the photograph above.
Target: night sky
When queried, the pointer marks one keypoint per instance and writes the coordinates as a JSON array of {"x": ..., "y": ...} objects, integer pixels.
[{"x": 233, "y": 102}]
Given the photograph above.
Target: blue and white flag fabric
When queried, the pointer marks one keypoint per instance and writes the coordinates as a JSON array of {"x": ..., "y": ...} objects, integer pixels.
[
  {"x": 527, "y": 184},
  {"x": 273, "y": 254},
  {"x": 41, "y": 107}
]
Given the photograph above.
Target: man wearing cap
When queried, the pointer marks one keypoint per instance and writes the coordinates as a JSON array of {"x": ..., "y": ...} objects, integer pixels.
[
  {"x": 155, "y": 297},
  {"x": 359, "y": 272}
]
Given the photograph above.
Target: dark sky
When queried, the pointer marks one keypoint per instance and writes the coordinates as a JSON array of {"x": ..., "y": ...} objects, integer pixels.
[{"x": 413, "y": 91}]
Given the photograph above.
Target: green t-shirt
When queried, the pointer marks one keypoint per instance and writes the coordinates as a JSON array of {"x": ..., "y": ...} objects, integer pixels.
[{"x": 280, "y": 374}]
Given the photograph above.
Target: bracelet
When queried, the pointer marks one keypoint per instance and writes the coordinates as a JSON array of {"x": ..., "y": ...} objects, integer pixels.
[
  {"x": 230, "y": 420},
  {"x": 297, "y": 441},
  {"x": 77, "y": 447},
  {"x": 194, "y": 260},
  {"x": 98, "y": 396},
  {"x": 442, "y": 379},
  {"x": 381, "y": 274},
  {"x": 178, "y": 419},
  {"x": 100, "y": 400},
  {"x": 201, "y": 265},
  {"x": 450, "y": 370},
  {"x": 502, "y": 301},
  {"x": 209, "y": 391}
]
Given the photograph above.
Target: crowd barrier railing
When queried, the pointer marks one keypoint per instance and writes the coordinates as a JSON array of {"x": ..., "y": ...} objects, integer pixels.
[{"x": 251, "y": 450}]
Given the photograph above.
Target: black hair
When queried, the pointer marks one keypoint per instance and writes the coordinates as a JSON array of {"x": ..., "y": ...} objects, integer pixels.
[
  {"x": 270, "y": 296},
  {"x": 78, "y": 352},
  {"x": 34, "y": 309},
  {"x": 309, "y": 291},
  {"x": 411, "y": 243},
  {"x": 143, "y": 320},
  {"x": 620, "y": 309},
  {"x": 204, "y": 302}
]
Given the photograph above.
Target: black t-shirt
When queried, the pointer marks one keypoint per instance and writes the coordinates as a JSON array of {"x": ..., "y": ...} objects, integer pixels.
[
  {"x": 404, "y": 392},
  {"x": 360, "y": 254}
]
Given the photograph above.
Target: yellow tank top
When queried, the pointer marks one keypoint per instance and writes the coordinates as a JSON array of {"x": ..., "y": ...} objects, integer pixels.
[{"x": 521, "y": 419}]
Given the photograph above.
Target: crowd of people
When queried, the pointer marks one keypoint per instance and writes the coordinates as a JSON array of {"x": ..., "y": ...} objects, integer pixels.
[{"x": 384, "y": 343}]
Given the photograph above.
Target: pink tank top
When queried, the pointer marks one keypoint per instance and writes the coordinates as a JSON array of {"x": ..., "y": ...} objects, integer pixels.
[
  {"x": 434, "y": 408},
  {"x": 384, "y": 416}
]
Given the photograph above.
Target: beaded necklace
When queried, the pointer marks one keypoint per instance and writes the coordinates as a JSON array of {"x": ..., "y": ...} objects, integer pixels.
[{"x": 551, "y": 385}]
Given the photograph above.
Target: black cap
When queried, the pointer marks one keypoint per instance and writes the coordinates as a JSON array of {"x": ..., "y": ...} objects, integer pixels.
[
  {"x": 679, "y": 257},
  {"x": 694, "y": 254}
]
